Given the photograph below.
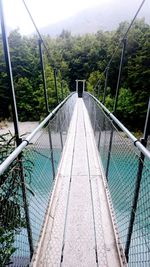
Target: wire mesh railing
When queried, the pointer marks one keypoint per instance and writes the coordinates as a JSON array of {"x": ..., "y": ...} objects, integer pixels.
[
  {"x": 26, "y": 185},
  {"x": 130, "y": 193}
]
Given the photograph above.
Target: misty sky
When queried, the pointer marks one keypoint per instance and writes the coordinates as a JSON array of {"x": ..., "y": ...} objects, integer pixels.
[{"x": 50, "y": 11}]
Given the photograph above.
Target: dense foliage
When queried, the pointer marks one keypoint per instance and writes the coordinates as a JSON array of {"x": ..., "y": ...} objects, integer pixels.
[
  {"x": 27, "y": 76},
  {"x": 79, "y": 57},
  {"x": 12, "y": 217}
]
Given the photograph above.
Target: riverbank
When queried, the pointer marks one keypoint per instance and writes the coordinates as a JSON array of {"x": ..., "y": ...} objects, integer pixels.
[{"x": 25, "y": 128}]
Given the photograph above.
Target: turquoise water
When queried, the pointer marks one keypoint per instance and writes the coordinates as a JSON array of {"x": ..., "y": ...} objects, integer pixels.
[
  {"x": 122, "y": 176},
  {"x": 41, "y": 185},
  {"x": 39, "y": 189},
  {"x": 121, "y": 180}
]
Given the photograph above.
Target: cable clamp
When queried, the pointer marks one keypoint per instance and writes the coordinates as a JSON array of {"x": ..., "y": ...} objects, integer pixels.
[
  {"x": 136, "y": 142},
  {"x": 26, "y": 142}
]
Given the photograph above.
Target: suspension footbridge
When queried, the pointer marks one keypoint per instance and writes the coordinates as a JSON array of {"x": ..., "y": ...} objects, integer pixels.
[
  {"x": 76, "y": 190},
  {"x": 87, "y": 215},
  {"x": 79, "y": 230}
]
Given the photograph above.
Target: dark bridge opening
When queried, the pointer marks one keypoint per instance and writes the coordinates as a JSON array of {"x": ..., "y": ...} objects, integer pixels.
[
  {"x": 80, "y": 91},
  {"x": 80, "y": 87}
]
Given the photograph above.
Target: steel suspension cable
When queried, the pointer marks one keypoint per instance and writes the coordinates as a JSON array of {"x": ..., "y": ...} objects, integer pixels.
[
  {"x": 39, "y": 34},
  {"x": 125, "y": 35},
  {"x": 45, "y": 46},
  {"x": 123, "y": 38}
]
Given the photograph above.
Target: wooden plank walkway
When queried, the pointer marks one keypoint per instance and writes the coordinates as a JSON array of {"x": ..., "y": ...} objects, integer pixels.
[{"x": 78, "y": 231}]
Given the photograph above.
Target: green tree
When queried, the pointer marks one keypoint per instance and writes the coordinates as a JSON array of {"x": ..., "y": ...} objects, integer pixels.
[
  {"x": 4, "y": 90},
  {"x": 12, "y": 218}
]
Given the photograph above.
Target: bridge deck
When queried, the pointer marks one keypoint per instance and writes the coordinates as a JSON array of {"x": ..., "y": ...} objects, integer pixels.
[{"x": 78, "y": 230}]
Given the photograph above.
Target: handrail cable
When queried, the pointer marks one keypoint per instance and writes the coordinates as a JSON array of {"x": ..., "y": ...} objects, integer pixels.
[
  {"x": 135, "y": 141},
  {"x": 4, "y": 165},
  {"x": 39, "y": 34},
  {"x": 125, "y": 35},
  {"x": 123, "y": 38},
  {"x": 45, "y": 46}
]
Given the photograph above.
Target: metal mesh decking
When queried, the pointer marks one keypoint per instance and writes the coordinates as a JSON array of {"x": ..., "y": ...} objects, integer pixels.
[
  {"x": 26, "y": 187},
  {"x": 121, "y": 172}
]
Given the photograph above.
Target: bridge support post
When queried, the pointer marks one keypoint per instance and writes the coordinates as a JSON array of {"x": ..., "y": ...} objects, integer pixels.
[
  {"x": 94, "y": 93},
  {"x": 10, "y": 75},
  {"x": 47, "y": 107},
  {"x": 137, "y": 184},
  {"x": 105, "y": 87},
  {"x": 99, "y": 136},
  {"x": 77, "y": 86},
  {"x": 51, "y": 151},
  {"x": 83, "y": 86},
  {"x": 55, "y": 82},
  {"x": 16, "y": 128},
  {"x": 99, "y": 88},
  {"x": 99, "y": 139},
  {"x": 119, "y": 74},
  {"x": 26, "y": 207},
  {"x": 109, "y": 152},
  {"x": 94, "y": 119},
  {"x": 62, "y": 91},
  {"x": 115, "y": 104},
  {"x": 43, "y": 76},
  {"x": 60, "y": 131}
]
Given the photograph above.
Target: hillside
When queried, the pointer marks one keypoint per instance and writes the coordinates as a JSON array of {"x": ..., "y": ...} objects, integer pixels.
[{"x": 106, "y": 17}]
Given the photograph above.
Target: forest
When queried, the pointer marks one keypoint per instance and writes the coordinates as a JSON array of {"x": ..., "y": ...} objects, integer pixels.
[{"x": 79, "y": 57}]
